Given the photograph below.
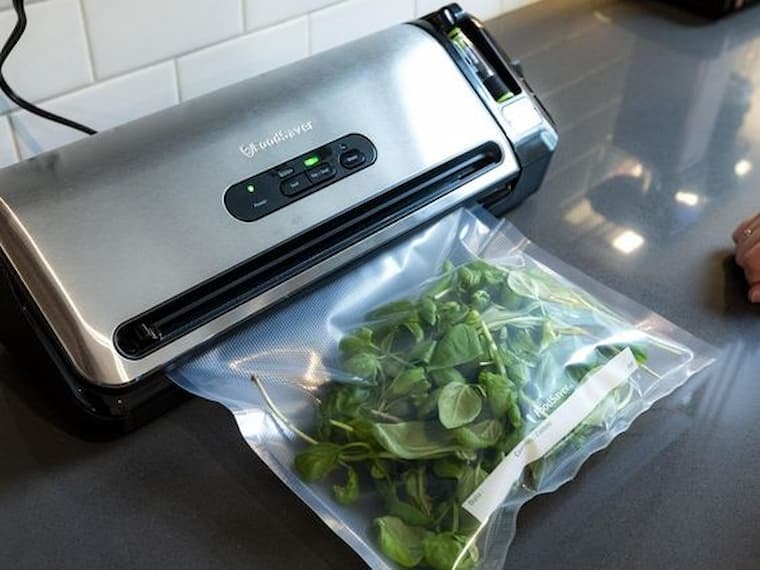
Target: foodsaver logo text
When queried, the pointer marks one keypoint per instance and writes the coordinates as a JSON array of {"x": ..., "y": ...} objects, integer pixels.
[{"x": 251, "y": 149}]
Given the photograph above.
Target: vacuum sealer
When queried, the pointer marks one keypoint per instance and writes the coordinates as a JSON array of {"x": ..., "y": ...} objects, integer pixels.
[{"x": 125, "y": 252}]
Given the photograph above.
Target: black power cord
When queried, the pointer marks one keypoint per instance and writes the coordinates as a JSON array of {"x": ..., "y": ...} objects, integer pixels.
[{"x": 13, "y": 39}]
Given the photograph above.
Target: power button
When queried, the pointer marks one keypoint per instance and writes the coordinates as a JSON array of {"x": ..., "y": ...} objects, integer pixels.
[{"x": 352, "y": 158}]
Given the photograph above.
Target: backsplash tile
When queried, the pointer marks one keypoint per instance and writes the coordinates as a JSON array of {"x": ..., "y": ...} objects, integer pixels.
[
  {"x": 355, "y": 18},
  {"x": 8, "y": 3},
  {"x": 260, "y": 13},
  {"x": 51, "y": 57},
  {"x": 101, "y": 106},
  {"x": 241, "y": 58},
  {"x": 127, "y": 34},
  {"x": 104, "y": 62}
]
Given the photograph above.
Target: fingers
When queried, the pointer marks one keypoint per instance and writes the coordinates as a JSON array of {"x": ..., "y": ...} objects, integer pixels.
[
  {"x": 747, "y": 239},
  {"x": 739, "y": 231},
  {"x": 754, "y": 293},
  {"x": 747, "y": 246}
]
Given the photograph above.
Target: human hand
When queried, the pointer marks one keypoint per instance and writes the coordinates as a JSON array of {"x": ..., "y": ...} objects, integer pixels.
[{"x": 747, "y": 240}]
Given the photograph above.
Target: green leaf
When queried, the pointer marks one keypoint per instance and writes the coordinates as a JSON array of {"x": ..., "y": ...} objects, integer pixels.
[
  {"x": 363, "y": 429},
  {"x": 469, "y": 479},
  {"x": 515, "y": 415},
  {"x": 414, "y": 440},
  {"x": 349, "y": 493},
  {"x": 428, "y": 311},
  {"x": 480, "y": 435},
  {"x": 459, "y": 345},
  {"x": 408, "y": 382},
  {"x": 448, "y": 467},
  {"x": 379, "y": 469},
  {"x": 349, "y": 398},
  {"x": 458, "y": 404},
  {"x": 407, "y": 512},
  {"x": 442, "y": 551},
  {"x": 468, "y": 278},
  {"x": 480, "y": 300},
  {"x": 414, "y": 327},
  {"x": 499, "y": 392},
  {"x": 447, "y": 376},
  {"x": 402, "y": 543},
  {"x": 450, "y": 313},
  {"x": 491, "y": 275},
  {"x": 427, "y": 405},
  {"x": 422, "y": 352},
  {"x": 402, "y": 408},
  {"x": 395, "y": 309},
  {"x": 362, "y": 364},
  {"x": 358, "y": 341},
  {"x": 511, "y": 300},
  {"x": 508, "y": 443},
  {"x": 548, "y": 336},
  {"x": 316, "y": 461},
  {"x": 401, "y": 509},
  {"x": 415, "y": 484},
  {"x": 444, "y": 283}
]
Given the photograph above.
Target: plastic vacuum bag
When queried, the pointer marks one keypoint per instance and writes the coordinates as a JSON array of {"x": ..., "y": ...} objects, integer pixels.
[{"x": 418, "y": 400}]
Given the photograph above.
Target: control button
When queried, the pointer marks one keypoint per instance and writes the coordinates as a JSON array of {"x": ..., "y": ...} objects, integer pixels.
[
  {"x": 285, "y": 171},
  {"x": 295, "y": 185},
  {"x": 321, "y": 173},
  {"x": 352, "y": 158}
]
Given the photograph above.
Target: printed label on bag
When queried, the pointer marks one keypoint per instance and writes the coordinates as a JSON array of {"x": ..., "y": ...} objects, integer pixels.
[{"x": 492, "y": 492}]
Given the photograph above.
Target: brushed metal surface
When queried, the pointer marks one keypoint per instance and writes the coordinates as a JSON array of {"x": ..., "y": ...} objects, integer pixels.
[{"x": 103, "y": 229}]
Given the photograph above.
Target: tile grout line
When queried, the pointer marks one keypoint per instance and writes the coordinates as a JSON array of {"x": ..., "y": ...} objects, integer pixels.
[
  {"x": 147, "y": 66},
  {"x": 177, "y": 82},
  {"x": 244, "y": 14},
  {"x": 87, "y": 42}
]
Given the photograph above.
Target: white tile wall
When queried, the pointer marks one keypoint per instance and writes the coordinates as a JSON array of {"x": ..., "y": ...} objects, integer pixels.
[
  {"x": 260, "y": 13},
  {"x": 243, "y": 57},
  {"x": 126, "y": 34},
  {"x": 100, "y": 106},
  {"x": 51, "y": 57},
  {"x": 105, "y": 62},
  {"x": 355, "y": 18}
]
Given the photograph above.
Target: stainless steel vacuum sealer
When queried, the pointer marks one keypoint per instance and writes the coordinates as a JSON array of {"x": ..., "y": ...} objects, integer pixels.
[{"x": 125, "y": 252}]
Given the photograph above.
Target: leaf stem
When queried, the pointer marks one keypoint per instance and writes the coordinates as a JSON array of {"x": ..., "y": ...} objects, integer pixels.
[
  {"x": 385, "y": 416},
  {"x": 442, "y": 294},
  {"x": 342, "y": 426},
  {"x": 493, "y": 349},
  {"x": 280, "y": 416}
]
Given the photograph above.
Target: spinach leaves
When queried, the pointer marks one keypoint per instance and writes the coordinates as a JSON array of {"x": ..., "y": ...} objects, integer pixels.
[{"x": 445, "y": 386}]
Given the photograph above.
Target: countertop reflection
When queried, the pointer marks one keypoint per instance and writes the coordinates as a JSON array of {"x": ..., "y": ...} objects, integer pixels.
[{"x": 659, "y": 159}]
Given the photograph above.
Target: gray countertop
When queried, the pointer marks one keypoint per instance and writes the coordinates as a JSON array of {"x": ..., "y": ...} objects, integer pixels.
[{"x": 659, "y": 116}]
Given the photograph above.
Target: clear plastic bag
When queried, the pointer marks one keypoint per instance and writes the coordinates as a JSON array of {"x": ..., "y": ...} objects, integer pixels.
[{"x": 419, "y": 400}]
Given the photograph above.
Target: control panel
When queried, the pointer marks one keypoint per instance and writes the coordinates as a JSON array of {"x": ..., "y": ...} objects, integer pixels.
[{"x": 263, "y": 193}]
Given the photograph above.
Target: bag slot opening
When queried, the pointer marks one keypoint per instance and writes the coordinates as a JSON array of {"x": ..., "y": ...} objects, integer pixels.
[{"x": 186, "y": 312}]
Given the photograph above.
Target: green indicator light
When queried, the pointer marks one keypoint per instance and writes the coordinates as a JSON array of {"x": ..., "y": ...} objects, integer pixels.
[
  {"x": 251, "y": 188},
  {"x": 311, "y": 161}
]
